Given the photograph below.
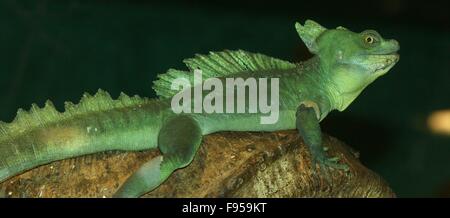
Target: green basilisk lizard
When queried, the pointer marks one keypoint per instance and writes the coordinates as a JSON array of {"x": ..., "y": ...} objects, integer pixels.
[{"x": 344, "y": 63}]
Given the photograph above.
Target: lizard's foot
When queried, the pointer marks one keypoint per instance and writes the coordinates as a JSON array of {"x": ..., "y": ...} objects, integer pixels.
[
  {"x": 321, "y": 158},
  {"x": 333, "y": 162},
  {"x": 323, "y": 162}
]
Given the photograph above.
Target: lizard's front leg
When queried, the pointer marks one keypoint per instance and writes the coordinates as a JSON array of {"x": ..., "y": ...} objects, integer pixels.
[
  {"x": 307, "y": 123},
  {"x": 178, "y": 141}
]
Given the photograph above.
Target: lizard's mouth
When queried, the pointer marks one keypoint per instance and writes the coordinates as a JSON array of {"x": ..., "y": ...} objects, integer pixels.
[{"x": 385, "y": 62}]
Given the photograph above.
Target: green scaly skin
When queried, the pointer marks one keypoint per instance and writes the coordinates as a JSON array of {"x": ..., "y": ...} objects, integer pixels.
[{"x": 345, "y": 62}]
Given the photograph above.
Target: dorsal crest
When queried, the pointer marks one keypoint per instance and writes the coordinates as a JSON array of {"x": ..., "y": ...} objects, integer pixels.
[
  {"x": 218, "y": 64},
  {"x": 37, "y": 116}
]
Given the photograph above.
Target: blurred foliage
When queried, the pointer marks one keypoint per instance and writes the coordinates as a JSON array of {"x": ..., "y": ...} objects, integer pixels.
[{"x": 59, "y": 49}]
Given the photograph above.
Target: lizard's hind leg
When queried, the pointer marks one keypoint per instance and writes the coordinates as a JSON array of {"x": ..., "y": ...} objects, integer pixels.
[{"x": 178, "y": 141}]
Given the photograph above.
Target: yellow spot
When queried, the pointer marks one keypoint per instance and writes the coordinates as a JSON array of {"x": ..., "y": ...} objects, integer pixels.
[
  {"x": 439, "y": 122},
  {"x": 57, "y": 136}
]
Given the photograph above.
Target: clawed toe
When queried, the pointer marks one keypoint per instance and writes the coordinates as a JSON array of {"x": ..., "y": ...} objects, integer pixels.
[{"x": 331, "y": 162}]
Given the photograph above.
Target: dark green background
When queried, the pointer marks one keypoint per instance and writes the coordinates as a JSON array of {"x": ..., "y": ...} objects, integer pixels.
[{"x": 59, "y": 49}]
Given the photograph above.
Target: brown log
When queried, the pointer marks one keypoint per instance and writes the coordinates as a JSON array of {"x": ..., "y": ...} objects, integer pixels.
[{"x": 229, "y": 164}]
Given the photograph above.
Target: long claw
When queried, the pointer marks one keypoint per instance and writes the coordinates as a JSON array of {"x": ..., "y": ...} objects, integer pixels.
[
  {"x": 333, "y": 159},
  {"x": 332, "y": 162}
]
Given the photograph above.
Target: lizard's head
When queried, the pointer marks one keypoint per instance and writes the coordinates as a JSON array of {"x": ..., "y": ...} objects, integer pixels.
[{"x": 353, "y": 60}]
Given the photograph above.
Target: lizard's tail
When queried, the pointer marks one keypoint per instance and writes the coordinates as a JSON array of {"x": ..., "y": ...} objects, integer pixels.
[{"x": 96, "y": 124}]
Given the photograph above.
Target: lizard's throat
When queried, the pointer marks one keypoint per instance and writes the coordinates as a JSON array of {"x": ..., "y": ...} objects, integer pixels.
[{"x": 345, "y": 99}]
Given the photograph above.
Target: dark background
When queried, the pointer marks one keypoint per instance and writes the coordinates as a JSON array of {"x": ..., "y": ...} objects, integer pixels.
[{"x": 59, "y": 49}]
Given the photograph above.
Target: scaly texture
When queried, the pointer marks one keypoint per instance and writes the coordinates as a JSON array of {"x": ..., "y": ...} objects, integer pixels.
[
  {"x": 41, "y": 117},
  {"x": 42, "y": 135}
]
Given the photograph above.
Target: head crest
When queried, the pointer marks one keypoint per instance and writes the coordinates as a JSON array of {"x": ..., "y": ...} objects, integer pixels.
[{"x": 309, "y": 33}]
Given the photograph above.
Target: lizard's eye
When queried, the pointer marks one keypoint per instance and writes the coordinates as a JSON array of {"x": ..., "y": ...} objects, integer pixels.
[{"x": 369, "y": 39}]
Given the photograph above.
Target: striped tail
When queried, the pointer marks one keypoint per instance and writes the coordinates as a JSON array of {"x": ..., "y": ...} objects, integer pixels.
[{"x": 98, "y": 123}]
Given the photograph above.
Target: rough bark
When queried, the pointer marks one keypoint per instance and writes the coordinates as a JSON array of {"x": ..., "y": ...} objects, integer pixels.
[{"x": 229, "y": 164}]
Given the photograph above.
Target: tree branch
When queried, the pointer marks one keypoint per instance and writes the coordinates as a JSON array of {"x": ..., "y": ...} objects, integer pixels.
[{"x": 229, "y": 164}]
